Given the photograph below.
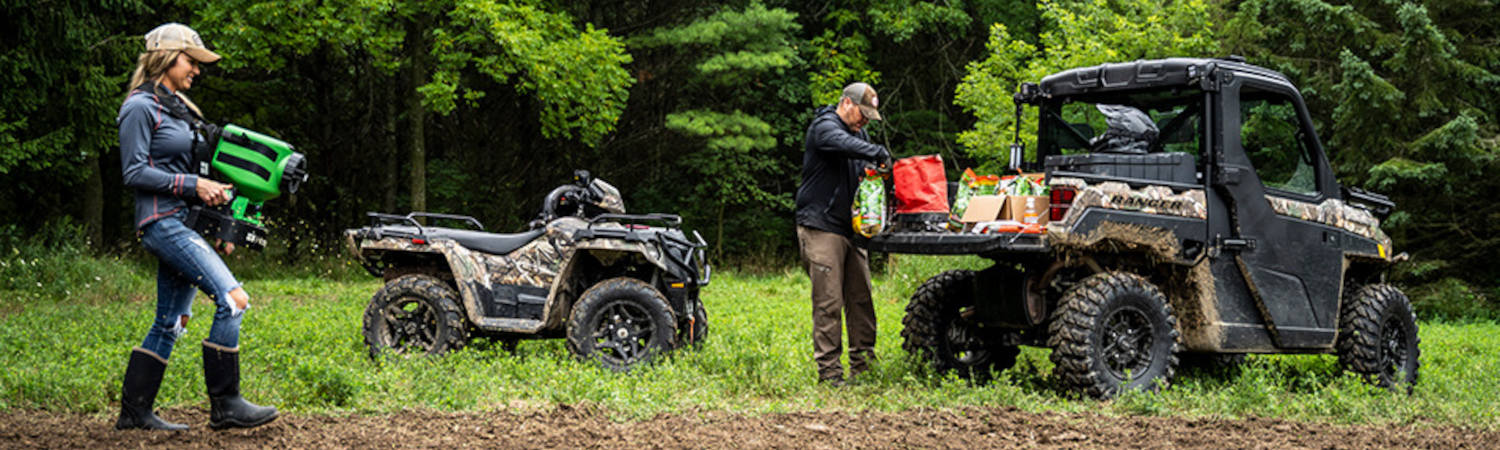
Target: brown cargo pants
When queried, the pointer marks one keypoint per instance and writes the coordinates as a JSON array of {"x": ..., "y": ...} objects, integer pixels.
[{"x": 840, "y": 274}]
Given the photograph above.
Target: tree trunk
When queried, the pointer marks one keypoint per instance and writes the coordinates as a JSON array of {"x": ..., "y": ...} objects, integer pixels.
[{"x": 416, "y": 114}]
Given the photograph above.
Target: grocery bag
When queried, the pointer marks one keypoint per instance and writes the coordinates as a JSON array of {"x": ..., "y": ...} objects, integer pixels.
[
  {"x": 869, "y": 204},
  {"x": 921, "y": 185}
]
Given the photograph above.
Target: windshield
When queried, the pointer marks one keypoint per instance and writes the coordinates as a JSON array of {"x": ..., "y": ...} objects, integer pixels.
[{"x": 1147, "y": 122}]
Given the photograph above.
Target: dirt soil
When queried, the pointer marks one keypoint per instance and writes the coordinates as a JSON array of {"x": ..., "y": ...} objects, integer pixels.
[{"x": 568, "y": 426}]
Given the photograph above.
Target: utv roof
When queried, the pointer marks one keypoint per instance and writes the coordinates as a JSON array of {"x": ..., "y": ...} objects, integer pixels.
[{"x": 1146, "y": 74}]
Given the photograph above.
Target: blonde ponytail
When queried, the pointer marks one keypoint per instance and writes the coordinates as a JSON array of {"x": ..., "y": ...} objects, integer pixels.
[{"x": 153, "y": 65}]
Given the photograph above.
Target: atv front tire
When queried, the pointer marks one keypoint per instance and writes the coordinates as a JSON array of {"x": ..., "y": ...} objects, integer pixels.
[
  {"x": 1113, "y": 330},
  {"x": 1378, "y": 337},
  {"x": 936, "y": 329},
  {"x": 414, "y": 315},
  {"x": 621, "y": 323}
]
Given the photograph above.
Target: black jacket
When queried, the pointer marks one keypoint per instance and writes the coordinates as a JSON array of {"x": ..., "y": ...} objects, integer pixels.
[{"x": 831, "y": 163}]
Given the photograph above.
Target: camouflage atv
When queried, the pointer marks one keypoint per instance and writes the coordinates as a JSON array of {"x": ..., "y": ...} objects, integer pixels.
[{"x": 622, "y": 288}]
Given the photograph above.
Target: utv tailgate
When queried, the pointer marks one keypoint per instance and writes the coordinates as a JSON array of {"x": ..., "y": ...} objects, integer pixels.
[{"x": 938, "y": 243}]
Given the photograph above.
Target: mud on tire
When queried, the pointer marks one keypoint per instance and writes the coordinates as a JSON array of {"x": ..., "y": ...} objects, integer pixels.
[
  {"x": 936, "y": 333},
  {"x": 1113, "y": 329},
  {"x": 414, "y": 314},
  {"x": 1378, "y": 337},
  {"x": 621, "y": 323}
]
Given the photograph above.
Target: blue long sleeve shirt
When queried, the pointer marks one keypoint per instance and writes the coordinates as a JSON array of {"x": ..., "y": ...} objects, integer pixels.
[{"x": 156, "y": 154}]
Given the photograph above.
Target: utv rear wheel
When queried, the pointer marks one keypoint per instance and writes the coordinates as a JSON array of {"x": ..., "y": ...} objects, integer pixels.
[
  {"x": 414, "y": 315},
  {"x": 938, "y": 329},
  {"x": 1113, "y": 330},
  {"x": 1378, "y": 337},
  {"x": 621, "y": 323}
]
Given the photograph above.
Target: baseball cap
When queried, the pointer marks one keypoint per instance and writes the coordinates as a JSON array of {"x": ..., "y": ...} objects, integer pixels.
[
  {"x": 176, "y": 36},
  {"x": 864, "y": 97}
]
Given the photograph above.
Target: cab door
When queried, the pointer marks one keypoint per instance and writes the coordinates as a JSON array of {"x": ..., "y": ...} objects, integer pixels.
[{"x": 1291, "y": 267}]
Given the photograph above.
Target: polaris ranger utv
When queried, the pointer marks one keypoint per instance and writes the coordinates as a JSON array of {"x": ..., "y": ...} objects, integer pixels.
[
  {"x": 1193, "y": 216},
  {"x": 622, "y": 288}
]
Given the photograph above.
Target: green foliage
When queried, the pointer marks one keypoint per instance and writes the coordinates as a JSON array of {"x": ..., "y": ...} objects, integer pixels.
[
  {"x": 1079, "y": 34},
  {"x": 1405, "y": 93},
  {"x": 302, "y": 351},
  {"x": 901, "y": 19},
  {"x": 577, "y": 77},
  {"x": 838, "y": 57}
]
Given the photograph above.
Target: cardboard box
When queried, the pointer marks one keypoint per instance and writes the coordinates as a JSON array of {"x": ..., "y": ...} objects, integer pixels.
[
  {"x": 984, "y": 208},
  {"x": 1027, "y": 209}
]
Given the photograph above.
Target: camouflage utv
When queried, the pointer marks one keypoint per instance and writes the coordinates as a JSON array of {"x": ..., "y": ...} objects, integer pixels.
[
  {"x": 622, "y": 288},
  {"x": 1194, "y": 218}
]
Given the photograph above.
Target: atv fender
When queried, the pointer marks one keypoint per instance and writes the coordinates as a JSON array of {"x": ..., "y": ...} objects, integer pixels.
[{"x": 605, "y": 251}]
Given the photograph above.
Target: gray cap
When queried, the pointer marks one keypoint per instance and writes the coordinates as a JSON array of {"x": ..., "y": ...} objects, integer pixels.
[{"x": 864, "y": 97}]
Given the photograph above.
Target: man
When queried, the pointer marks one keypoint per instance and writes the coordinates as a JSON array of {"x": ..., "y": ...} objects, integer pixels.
[{"x": 837, "y": 150}]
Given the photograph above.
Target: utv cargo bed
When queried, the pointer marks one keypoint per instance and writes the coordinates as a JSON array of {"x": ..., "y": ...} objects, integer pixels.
[{"x": 942, "y": 243}]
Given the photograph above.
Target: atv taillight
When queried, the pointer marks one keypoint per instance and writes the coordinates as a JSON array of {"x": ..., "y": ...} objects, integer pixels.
[
  {"x": 1062, "y": 199},
  {"x": 419, "y": 241}
]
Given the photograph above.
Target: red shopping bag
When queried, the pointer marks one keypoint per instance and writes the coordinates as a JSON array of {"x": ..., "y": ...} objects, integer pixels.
[{"x": 921, "y": 185}]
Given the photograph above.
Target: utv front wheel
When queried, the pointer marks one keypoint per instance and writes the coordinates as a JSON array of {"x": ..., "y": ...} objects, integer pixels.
[
  {"x": 414, "y": 315},
  {"x": 939, "y": 331},
  {"x": 621, "y": 323},
  {"x": 1378, "y": 337},
  {"x": 1113, "y": 330}
]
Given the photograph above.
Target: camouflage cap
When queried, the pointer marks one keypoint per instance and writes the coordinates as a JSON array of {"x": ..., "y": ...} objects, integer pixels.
[
  {"x": 864, "y": 97},
  {"x": 176, "y": 36}
]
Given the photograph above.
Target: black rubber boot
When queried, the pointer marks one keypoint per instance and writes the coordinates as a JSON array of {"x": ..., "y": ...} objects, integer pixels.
[
  {"x": 142, "y": 379},
  {"x": 221, "y": 373}
]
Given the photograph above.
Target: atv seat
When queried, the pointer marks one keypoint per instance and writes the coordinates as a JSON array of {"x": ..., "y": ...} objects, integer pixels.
[{"x": 492, "y": 243}]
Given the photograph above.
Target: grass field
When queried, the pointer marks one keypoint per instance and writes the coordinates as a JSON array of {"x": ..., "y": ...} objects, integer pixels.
[{"x": 67, "y": 325}]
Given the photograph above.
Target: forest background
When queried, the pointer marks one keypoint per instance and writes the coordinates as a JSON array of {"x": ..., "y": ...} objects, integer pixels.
[{"x": 699, "y": 108}]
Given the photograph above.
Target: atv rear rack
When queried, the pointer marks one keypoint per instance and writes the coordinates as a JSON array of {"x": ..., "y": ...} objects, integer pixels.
[{"x": 378, "y": 219}]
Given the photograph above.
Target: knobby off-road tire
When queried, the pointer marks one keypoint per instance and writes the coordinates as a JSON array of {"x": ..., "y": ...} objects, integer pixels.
[
  {"x": 414, "y": 315},
  {"x": 937, "y": 332},
  {"x": 621, "y": 323},
  {"x": 1378, "y": 337},
  {"x": 1113, "y": 330}
]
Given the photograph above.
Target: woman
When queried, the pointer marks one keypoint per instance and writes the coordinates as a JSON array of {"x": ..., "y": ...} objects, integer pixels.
[{"x": 157, "y": 136}]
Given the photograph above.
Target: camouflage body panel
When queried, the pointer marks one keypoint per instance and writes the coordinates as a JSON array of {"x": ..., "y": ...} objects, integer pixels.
[
  {"x": 1116, "y": 195},
  {"x": 1335, "y": 213},
  {"x": 611, "y": 201}
]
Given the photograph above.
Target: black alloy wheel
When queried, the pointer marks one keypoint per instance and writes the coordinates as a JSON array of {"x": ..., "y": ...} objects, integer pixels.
[
  {"x": 1113, "y": 331},
  {"x": 414, "y": 315},
  {"x": 621, "y": 323}
]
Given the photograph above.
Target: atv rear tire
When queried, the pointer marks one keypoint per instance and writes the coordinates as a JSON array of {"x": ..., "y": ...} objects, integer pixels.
[
  {"x": 937, "y": 332},
  {"x": 621, "y": 323},
  {"x": 1113, "y": 330},
  {"x": 414, "y": 315},
  {"x": 1378, "y": 337}
]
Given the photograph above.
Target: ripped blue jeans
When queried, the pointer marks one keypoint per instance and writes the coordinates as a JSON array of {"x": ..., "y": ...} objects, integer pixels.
[{"x": 187, "y": 264}]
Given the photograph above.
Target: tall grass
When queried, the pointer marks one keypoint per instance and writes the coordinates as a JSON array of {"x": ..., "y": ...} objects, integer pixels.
[{"x": 64, "y": 346}]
